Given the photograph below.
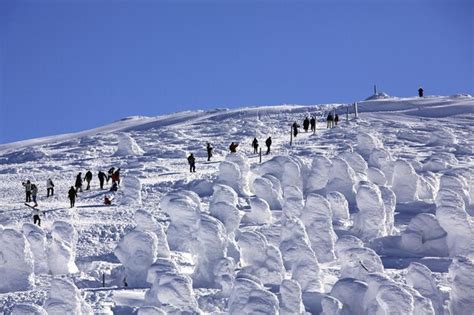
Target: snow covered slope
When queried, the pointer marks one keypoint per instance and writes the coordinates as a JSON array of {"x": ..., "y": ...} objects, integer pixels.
[{"x": 370, "y": 217}]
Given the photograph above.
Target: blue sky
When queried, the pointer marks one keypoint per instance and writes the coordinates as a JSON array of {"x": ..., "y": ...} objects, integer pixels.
[{"x": 71, "y": 65}]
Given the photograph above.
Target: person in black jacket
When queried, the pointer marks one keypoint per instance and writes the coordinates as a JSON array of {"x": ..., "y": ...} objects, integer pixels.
[
  {"x": 192, "y": 163},
  {"x": 102, "y": 178},
  {"x": 233, "y": 147},
  {"x": 268, "y": 143},
  {"x": 420, "y": 92},
  {"x": 255, "y": 145},
  {"x": 88, "y": 178},
  {"x": 79, "y": 182},
  {"x": 72, "y": 194},
  {"x": 336, "y": 119},
  {"x": 312, "y": 122},
  {"x": 330, "y": 120},
  {"x": 306, "y": 124},
  {"x": 209, "y": 151},
  {"x": 114, "y": 187},
  {"x": 110, "y": 173},
  {"x": 295, "y": 127}
]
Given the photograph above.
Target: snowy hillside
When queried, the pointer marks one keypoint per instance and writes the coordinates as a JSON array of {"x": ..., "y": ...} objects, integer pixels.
[{"x": 373, "y": 216}]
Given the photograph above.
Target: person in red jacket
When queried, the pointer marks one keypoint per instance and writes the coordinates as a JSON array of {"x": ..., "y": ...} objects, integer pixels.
[{"x": 116, "y": 177}]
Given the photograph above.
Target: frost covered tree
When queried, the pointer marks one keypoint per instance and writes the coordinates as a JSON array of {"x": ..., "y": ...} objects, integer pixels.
[{"x": 16, "y": 262}]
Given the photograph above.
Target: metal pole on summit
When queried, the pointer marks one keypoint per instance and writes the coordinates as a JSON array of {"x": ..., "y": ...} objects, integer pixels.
[{"x": 347, "y": 113}]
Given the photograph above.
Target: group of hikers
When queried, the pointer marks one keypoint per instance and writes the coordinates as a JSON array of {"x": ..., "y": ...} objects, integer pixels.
[
  {"x": 232, "y": 148},
  {"x": 113, "y": 174},
  {"x": 332, "y": 120},
  {"x": 31, "y": 189},
  {"x": 308, "y": 124}
]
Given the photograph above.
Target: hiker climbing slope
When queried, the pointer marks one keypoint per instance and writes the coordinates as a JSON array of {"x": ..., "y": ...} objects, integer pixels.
[
  {"x": 306, "y": 124},
  {"x": 78, "y": 183},
  {"x": 233, "y": 147},
  {"x": 209, "y": 151},
  {"x": 49, "y": 187},
  {"x": 72, "y": 194},
  {"x": 268, "y": 143},
  {"x": 88, "y": 178},
  {"x": 27, "y": 186},
  {"x": 312, "y": 123},
  {"x": 295, "y": 127},
  {"x": 192, "y": 163},
  {"x": 255, "y": 145},
  {"x": 330, "y": 121},
  {"x": 102, "y": 177}
]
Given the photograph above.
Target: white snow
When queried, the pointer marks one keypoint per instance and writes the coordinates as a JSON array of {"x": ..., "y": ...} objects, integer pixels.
[
  {"x": 62, "y": 249},
  {"x": 146, "y": 222},
  {"x": 405, "y": 182},
  {"x": 65, "y": 298},
  {"x": 461, "y": 275},
  {"x": 317, "y": 217},
  {"x": 137, "y": 250},
  {"x": 250, "y": 297},
  {"x": 364, "y": 218},
  {"x": 28, "y": 308},
  {"x": 370, "y": 221},
  {"x": 127, "y": 146},
  {"x": 268, "y": 188},
  {"x": 38, "y": 244},
  {"x": 291, "y": 298},
  {"x": 16, "y": 262},
  {"x": 259, "y": 212},
  {"x": 339, "y": 207}
]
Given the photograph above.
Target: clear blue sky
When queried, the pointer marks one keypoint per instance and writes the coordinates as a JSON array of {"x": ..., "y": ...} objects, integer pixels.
[{"x": 71, "y": 65}]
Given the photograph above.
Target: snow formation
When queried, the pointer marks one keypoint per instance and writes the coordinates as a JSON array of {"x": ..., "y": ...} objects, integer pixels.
[{"x": 374, "y": 216}]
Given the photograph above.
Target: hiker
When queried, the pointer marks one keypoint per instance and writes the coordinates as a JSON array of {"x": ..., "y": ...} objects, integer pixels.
[
  {"x": 209, "y": 151},
  {"x": 114, "y": 187},
  {"x": 27, "y": 186},
  {"x": 420, "y": 92},
  {"x": 255, "y": 145},
  {"x": 295, "y": 127},
  {"x": 34, "y": 193},
  {"x": 78, "y": 182},
  {"x": 36, "y": 217},
  {"x": 233, "y": 147},
  {"x": 336, "y": 119},
  {"x": 329, "y": 120},
  {"x": 108, "y": 200},
  {"x": 306, "y": 124},
  {"x": 110, "y": 172},
  {"x": 102, "y": 178},
  {"x": 72, "y": 194},
  {"x": 116, "y": 177},
  {"x": 192, "y": 163},
  {"x": 49, "y": 187},
  {"x": 88, "y": 178},
  {"x": 268, "y": 143},
  {"x": 312, "y": 122}
]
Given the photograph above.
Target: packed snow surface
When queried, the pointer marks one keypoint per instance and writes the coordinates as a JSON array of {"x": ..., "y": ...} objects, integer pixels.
[{"x": 374, "y": 216}]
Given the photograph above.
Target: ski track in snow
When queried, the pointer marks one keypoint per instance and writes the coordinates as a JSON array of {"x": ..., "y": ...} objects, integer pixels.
[{"x": 410, "y": 128}]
